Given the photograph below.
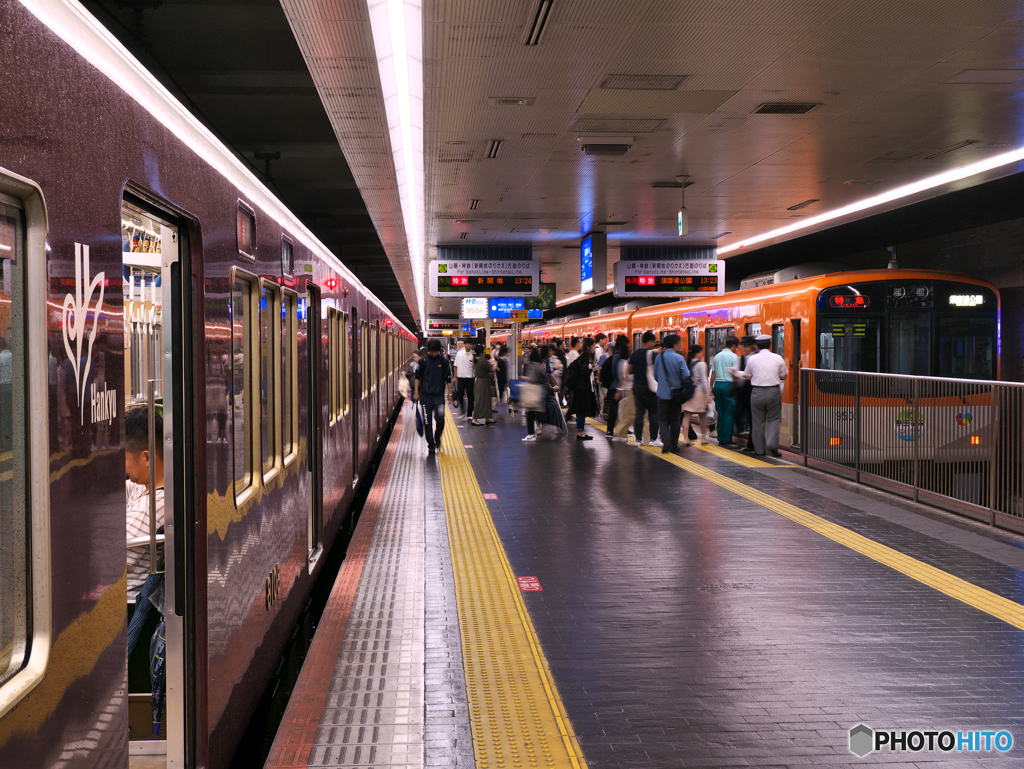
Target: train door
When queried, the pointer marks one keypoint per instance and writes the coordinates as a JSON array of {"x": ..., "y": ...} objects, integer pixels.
[
  {"x": 355, "y": 377},
  {"x": 314, "y": 419},
  {"x": 794, "y": 374},
  {"x": 157, "y": 294}
]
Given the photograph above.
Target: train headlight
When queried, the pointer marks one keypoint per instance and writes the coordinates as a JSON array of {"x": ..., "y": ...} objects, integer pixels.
[
  {"x": 835, "y": 441},
  {"x": 975, "y": 440}
]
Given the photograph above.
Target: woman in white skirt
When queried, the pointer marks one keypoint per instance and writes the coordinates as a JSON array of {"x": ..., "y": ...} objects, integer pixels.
[{"x": 698, "y": 404}]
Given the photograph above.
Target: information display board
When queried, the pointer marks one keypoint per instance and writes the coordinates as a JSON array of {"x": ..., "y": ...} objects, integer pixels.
[
  {"x": 474, "y": 308},
  {"x": 484, "y": 278},
  {"x": 667, "y": 279},
  {"x": 587, "y": 265},
  {"x": 501, "y": 308}
]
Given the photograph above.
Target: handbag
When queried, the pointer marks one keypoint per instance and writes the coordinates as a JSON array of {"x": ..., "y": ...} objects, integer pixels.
[
  {"x": 419, "y": 420},
  {"x": 531, "y": 396}
]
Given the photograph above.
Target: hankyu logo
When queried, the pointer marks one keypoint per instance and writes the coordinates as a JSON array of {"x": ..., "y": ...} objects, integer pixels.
[
  {"x": 964, "y": 418},
  {"x": 75, "y": 322}
]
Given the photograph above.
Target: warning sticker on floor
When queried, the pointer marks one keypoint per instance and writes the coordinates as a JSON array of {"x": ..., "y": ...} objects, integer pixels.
[
  {"x": 529, "y": 584},
  {"x": 490, "y": 496}
]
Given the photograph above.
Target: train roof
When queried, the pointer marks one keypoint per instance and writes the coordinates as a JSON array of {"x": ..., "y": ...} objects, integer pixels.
[
  {"x": 73, "y": 24},
  {"x": 815, "y": 283}
]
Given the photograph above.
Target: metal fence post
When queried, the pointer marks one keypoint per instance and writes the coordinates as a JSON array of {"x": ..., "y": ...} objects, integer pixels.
[
  {"x": 915, "y": 441},
  {"x": 993, "y": 469},
  {"x": 804, "y": 430},
  {"x": 856, "y": 427}
]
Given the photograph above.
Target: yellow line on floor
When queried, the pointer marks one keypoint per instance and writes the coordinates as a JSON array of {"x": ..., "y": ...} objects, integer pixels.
[
  {"x": 516, "y": 714},
  {"x": 733, "y": 456},
  {"x": 972, "y": 595}
]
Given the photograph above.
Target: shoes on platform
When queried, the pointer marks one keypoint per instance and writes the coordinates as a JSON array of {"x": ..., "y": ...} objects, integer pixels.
[
  {"x": 582, "y": 437},
  {"x": 531, "y": 438},
  {"x": 656, "y": 443}
]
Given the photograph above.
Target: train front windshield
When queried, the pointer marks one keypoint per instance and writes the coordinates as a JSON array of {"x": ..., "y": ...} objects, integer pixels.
[{"x": 916, "y": 327}]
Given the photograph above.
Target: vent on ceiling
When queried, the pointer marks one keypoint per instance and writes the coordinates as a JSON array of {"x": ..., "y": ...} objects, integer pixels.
[
  {"x": 511, "y": 101},
  {"x": 617, "y": 125},
  {"x": 467, "y": 221},
  {"x": 806, "y": 203},
  {"x": 608, "y": 224},
  {"x": 721, "y": 235},
  {"x": 493, "y": 147},
  {"x": 669, "y": 185},
  {"x": 954, "y": 148},
  {"x": 605, "y": 145},
  {"x": 539, "y": 22},
  {"x": 862, "y": 182},
  {"x": 785, "y": 108},
  {"x": 462, "y": 235},
  {"x": 474, "y": 204},
  {"x": 643, "y": 82}
]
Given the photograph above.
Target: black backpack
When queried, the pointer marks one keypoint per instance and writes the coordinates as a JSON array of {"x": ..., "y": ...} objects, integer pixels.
[
  {"x": 572, "y": 375},
  {"x": 607, "y": 372}
]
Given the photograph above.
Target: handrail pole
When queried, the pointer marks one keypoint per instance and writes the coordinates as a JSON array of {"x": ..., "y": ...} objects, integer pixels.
[{"x": 152, "y": 477}]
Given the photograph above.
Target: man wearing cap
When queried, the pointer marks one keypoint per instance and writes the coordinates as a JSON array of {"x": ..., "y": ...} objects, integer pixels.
[{"x": 766, "y": 372}]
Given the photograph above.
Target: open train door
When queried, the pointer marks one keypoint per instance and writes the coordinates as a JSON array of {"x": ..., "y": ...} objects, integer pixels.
[
  {"x": 794, "y": 383},
  {"x": 314, "y": 417},
  {"x": 161, "y": 340}
]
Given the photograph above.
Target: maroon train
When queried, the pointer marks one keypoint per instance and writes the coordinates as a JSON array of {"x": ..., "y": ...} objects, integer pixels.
[{"x": 138, "y": 253}]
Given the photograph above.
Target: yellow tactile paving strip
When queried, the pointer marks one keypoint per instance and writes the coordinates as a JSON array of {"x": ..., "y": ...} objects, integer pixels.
[
  {"x": 515, "y": 712},
  {"x": 972, "y": 595},
  {"x": 733, "y": 456}
]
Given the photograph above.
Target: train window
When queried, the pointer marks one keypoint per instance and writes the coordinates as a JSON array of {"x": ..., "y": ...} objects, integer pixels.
[
  {"x": 850, "y": 345},
  {"x": 753, "y": 329},
  {"x": 691, "y": 337},
  {"x": 332, "y": 365},
  {"x": 344, "y": 346},
  {"x": 910, "y": 343},
  {"x": 287, "y": 258},
  {"x": 967, "y": 348},
  {"x": 15, "y": 525},
  {"x": 270, "y": 303},
  {"x": 364, "y": 349},
  {"x": 246, "y": 230},
  {"x": 242, "y": 291},
  {"x": 714, "y": 339},
  {"x": 289, "y": 376},
  {"x": 779, "y": 339}
]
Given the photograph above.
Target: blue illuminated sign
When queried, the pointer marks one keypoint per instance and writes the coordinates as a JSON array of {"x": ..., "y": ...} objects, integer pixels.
[
  {"x": 501, "y": 309},
  {"x": 586, "y": 265}
]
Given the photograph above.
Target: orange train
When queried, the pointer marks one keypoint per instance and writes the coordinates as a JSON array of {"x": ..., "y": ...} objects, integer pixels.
[{"x": 917, "y": 322}]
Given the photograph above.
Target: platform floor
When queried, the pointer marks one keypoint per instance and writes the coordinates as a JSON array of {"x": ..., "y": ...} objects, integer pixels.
[{"x": 699, "y": 609}]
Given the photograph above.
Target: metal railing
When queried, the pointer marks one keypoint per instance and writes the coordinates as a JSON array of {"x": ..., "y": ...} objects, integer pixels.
[{"x": 953, "y": 443}]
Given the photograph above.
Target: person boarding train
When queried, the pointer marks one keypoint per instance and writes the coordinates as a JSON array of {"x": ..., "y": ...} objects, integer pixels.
[
  {"x": 766, "y": 372},
  {"x": 433, "y": 381}
]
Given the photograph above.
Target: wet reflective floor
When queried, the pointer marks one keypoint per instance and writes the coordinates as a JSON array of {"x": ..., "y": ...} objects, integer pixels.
[{"x": 688, "y": 626}]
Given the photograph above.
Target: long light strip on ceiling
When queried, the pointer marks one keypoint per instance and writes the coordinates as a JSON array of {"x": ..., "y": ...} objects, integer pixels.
[
  {"x": 580, "y": 296},
  {"x": 397, "y": 27},
  {"x": 94, "y": 43},
  {"x": 931, "y": 182}
]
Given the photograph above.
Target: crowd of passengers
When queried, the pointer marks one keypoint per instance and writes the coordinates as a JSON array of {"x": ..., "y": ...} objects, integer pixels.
[{"x": 652, "y": 392}]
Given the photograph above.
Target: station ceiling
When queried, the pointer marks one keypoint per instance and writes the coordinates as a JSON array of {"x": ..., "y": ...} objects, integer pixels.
[
  {"x": 236, "y": 65},
  {"x": 886, "y": 94}
]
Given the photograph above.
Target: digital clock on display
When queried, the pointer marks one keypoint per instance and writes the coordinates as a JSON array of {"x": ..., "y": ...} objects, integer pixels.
[
  {"x": 682, "y": 284},
  {"x": 477, "y": 284}
]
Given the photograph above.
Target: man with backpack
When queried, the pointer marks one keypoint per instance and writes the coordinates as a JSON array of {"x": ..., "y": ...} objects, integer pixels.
[
  {"x": 433, "y": 383},
  {"x": 674, "y": 389},
  {"x": 645, "y": 398}
]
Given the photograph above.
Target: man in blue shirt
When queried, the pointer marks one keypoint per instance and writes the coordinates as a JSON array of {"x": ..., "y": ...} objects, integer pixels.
[
  {"x": 433, "y": 381},
  {"x": 725, "y": 400},
  {"x": 671, "y": 371}
]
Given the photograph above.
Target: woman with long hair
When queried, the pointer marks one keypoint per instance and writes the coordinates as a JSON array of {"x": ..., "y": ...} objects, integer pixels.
[
  {"x": 698, "y": 403},
  {"x": 581, "y": 382}
]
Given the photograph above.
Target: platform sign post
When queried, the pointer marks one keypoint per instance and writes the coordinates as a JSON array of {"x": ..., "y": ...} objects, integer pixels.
[{"x": 669, "y": 279}]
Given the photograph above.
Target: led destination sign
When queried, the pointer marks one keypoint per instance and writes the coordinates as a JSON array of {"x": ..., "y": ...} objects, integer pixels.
[
  {"x": 484, "y": 278},
  {"x": 669, "y": 278}
]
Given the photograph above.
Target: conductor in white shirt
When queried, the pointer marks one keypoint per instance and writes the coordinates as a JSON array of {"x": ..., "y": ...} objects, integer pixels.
[
  {"x": 766, "y": 372},
  {"x": 464, "y": 378}
]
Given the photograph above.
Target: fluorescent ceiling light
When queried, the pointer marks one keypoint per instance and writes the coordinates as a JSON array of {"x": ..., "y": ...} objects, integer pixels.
[
  {"x": 931, "y": 182},
  {"x": 398, "y": 43},
  {"x": 94, "y": 43},
  {"x": 580, "y": 296}
]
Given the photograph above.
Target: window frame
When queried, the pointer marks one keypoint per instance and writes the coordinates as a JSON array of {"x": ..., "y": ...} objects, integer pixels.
[
  {"x": 333, "y": 367},
  {"x": 28, "y": 196},
  {"x": 344, "y": 354},
  {"x": 250, "y": 379},
  {"x": 287, "y": 265},
  {"x": 273, "y": 291},
  {"x": 289, "y": 310},
  {"x": 245, "y": 208}
]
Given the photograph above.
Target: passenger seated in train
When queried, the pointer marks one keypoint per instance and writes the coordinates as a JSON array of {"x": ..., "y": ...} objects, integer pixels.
[{"x": 136, "y": 467}]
